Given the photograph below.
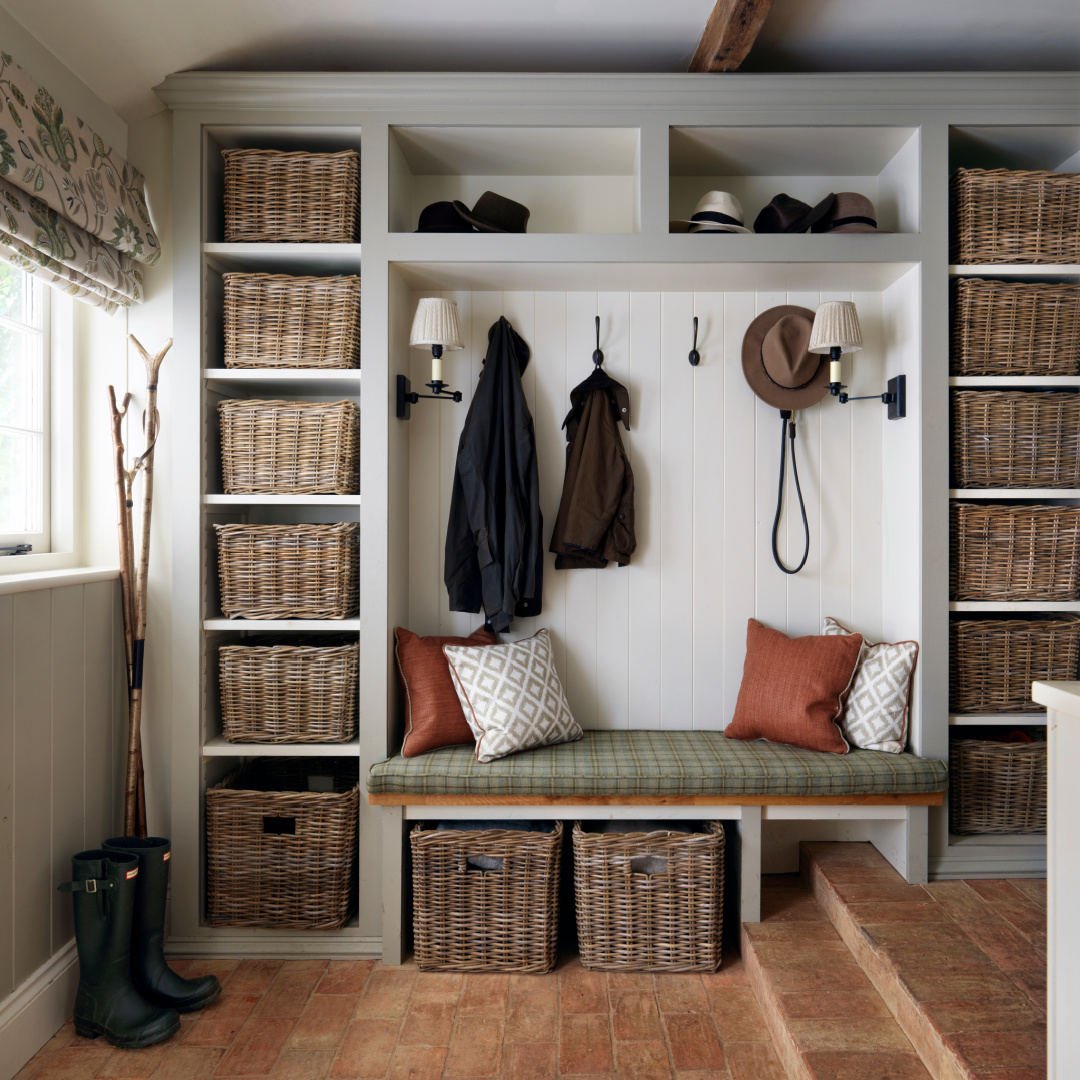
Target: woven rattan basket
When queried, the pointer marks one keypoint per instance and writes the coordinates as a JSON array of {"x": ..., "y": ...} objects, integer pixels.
[
  {"x": 1015, "y": 328},
  {"x": 289, "y": 447},
  {"x": 1001, "y": 216},
  {"x": 272, "y": 196},
  {"x": 632, "y": 916},
  {"x": 997, "y": 787},
  {"x": 470, "y": 919},
  {"x": 281, "y": 844},
  {"x": 1015, "y": 438},
  {"x": 291, "y": 690},
  {"x": 288, "y": 571},
  {"x": 1014, "y": 552},
  {"x": 993, "y": 662},
  {"x": 278, "y": 321}
]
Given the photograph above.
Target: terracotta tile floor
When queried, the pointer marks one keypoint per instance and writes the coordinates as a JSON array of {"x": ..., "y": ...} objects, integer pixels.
[{"x": 358, "y": 1020}]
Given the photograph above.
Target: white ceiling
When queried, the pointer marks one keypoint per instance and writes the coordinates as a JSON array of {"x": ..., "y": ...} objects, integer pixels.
[{"x": 122, "y": 48}]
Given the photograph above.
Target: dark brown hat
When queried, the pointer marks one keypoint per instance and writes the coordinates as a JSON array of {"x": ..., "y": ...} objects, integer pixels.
[
  {"x": 776, "y": 362},
  {"x": 851, "y": 212},
  {"x": 441, "y": 217},
  {"x": 787, "y": 215},
  {"x": 495, "y": 213}
]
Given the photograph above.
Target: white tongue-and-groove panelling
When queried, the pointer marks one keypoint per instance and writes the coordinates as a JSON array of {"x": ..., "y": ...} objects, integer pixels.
[{"x": 660, "y": 643}]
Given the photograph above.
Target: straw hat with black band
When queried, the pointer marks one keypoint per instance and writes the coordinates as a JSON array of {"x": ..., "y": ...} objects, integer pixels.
[{"x": 782, "y": 372}]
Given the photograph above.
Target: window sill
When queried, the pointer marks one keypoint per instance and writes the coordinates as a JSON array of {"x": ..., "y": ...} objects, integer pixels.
[{"x": 31, "y": 580}]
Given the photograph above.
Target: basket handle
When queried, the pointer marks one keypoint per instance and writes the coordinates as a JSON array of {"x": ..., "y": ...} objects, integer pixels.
[
  {"x": 464, "y": 867},
  {"x": 643, "y": 865}
]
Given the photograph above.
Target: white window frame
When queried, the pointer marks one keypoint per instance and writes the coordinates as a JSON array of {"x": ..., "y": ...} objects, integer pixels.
[{"x": 55, "y": 548}]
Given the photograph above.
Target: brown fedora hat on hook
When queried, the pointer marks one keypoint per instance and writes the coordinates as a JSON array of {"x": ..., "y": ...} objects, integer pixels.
[{"x": 776, "y": 363}]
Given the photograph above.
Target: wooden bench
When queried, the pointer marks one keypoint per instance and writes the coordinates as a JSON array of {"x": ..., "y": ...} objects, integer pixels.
[{"x": 658, "y": 775}]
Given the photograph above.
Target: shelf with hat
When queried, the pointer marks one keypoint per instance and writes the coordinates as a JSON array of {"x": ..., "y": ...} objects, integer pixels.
[
  {"x": 513, "y": 180},
  {"x": 793, "y": 181}
]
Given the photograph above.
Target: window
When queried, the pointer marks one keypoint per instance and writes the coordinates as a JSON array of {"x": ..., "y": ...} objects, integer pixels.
[{"x": 24, "y": 411}]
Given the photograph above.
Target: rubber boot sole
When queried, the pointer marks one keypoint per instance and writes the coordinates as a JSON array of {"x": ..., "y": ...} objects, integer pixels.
[
  {"x": 193, "y": 1006},
  {"x": 91, "y": 1030}
]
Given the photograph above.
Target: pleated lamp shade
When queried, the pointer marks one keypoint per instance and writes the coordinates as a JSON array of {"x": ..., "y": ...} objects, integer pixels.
[
  {"x": 436, "y": 323},
  {"x": 836, "y": 325}
]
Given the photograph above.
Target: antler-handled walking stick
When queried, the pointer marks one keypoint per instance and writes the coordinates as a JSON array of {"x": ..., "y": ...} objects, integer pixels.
[{"x": 135, "y": 606}]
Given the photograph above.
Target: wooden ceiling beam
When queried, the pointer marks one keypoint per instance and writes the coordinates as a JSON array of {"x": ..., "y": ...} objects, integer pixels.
[{"x": 729, "y": 34}]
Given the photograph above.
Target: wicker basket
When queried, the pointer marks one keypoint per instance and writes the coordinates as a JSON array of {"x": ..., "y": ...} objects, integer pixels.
[
  {"x": 1016, "y": 438},
  {"x": 298, "y": 198},
  {"x": 281, "y": 844},
  {"x": 1015, "y": 328},
  {"x": 289, "y": 690},
  {"x": 471, "y": 919},
  {"x": 630, "y": 920},
  {"x": 288, "y": 571},
  {"x": 1014, "y": 552},
  {"x": 997, "y": 787},
  {"x": 289, "y": 447},
  {"x": 1001, "y": 216},
  {"x": 993, "y": 662},
  {"x": 278, "y": 321}
]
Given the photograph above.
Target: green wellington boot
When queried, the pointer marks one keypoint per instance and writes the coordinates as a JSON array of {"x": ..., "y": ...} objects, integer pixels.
[
  {"x": 155, "y": 979},
  {"x": 103, "y": 896}
]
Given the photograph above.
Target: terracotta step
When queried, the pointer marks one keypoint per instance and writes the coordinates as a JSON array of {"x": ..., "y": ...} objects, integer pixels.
[
  {"x": 960, "y": 965},
  {"x": 826, "y": 1019}
]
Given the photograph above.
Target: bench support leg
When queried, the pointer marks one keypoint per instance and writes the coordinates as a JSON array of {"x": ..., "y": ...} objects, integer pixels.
[
  {"x": 392, "y": 820},
  {"x": 750, "y": 864},
  {"x": 914, "y": 848}
]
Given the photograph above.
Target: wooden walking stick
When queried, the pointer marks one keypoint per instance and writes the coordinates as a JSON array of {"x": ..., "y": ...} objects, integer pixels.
[{"x": 134, "y": 798}]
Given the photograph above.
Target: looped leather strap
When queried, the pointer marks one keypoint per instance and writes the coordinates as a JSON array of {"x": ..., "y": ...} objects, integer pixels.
[
  {"x": 88, "y": 885},
  {"x": 787, "y": 427}
]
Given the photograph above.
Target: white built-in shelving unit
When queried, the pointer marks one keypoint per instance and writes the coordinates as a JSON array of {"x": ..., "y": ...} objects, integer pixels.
[{"x": 603, "y": 162}]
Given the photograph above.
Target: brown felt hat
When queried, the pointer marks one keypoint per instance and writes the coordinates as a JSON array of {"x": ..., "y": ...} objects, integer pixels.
[
  {"x": 849, "y": 213},
  {"x": 775, "y": 360}
]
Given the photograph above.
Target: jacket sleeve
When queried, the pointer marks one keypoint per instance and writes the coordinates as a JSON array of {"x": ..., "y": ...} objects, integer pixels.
[{"x": 461, "y": 571}]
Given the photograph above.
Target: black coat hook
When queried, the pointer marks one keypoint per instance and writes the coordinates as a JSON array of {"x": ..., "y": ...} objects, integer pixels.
[
  {"x": 695, "y": 356},
  {"x": 598, "y": 356}
]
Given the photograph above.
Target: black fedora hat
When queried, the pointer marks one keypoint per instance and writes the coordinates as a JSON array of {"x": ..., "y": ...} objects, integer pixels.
[
  {"x": 787, "y": 215},
  {"x": 495, "y": 213},
  {"x": 442, "y": 217}
]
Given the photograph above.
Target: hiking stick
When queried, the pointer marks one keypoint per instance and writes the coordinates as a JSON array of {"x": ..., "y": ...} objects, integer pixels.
[{"x": 144, "y": 462}]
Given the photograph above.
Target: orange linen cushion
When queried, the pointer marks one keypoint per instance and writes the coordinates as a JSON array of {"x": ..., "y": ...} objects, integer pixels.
[
  {"x": 433, "y": 715},
  {"x": 793, "y": 689}
]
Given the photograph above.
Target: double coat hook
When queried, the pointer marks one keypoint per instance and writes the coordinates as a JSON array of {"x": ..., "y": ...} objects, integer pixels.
[
  {"x": 695, "y": 356},
  {"x": 597, "y": 356}
]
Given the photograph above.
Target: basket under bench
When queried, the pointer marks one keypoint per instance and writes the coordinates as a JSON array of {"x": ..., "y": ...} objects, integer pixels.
[{"x": 660, "y": 775}]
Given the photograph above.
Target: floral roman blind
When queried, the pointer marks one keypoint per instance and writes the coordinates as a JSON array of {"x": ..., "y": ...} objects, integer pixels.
[{"x": 73, "y": 211}]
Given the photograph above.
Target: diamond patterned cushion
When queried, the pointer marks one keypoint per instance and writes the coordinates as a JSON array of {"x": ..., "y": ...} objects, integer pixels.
[
  {"x": 669, "y": 763},
  {"x": 875, "y": 717},
  {"x": 511, "y": 696}
]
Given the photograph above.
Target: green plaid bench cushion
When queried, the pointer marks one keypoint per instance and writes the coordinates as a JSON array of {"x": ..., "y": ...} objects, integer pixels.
[{"x": 638, "y": 763}]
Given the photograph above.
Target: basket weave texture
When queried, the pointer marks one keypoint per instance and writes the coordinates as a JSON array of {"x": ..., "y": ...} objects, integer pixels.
[
  {"x": 289, "y": 447},
  {"x": 628, "y": 920},
  {"x": 993, "y": 662},
  {"x": 300, "y": 690},
  {"x": 1002, "y": 216},
  {"x": 1014, "y": 552},
  {"x": 1015, "y": 328},
  {"x": 1016, "y": 438},
  {"x": 278, "y": 321},
  {"x": 273, "y": 196},
  {"x": 468, "y": 919},
  {"x": 278, "y": 854},
  {"x": 288, "y": 571},
  {"x": 997, "y": 787}
]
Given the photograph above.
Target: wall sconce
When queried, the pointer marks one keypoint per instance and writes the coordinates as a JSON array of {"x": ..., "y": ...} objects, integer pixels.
[
  {"x": 836, "y": 331},
  {"x": 435, "y": 326}
]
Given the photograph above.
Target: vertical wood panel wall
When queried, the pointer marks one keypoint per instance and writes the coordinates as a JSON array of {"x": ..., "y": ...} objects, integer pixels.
[
  {"x": 61, "y": 656},
  {"x": 660, "y": 643}
]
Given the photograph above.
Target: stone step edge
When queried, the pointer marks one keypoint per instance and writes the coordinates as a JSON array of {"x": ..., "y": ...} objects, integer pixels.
[
  {"x": 940, "y": 1061},
  {"x": 795, "y": 1067}
]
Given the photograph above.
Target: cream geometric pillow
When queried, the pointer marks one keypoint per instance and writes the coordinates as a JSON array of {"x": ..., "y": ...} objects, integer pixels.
[
  {"x": 876, "y": 714},
  {"x": 511, "y": 696}
]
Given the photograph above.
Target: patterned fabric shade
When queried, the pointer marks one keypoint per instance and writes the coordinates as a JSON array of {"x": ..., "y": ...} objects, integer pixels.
[{"x": 74, "y": 211}]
